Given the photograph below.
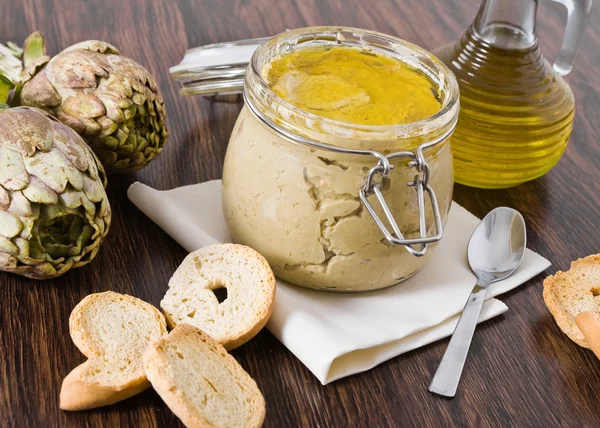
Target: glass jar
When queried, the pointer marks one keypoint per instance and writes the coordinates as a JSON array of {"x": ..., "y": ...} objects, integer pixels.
[{"x": 333, "y": 205}]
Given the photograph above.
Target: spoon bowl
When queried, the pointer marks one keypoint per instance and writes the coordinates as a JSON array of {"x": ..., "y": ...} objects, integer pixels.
[{"x": 497, "y": 246}]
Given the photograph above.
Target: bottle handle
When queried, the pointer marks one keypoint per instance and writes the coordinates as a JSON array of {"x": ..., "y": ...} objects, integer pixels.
[{"x": 578, "y": 12}]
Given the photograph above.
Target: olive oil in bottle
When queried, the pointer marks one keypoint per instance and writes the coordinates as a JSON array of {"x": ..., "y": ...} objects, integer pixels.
[{"x": 516, "y": 110}]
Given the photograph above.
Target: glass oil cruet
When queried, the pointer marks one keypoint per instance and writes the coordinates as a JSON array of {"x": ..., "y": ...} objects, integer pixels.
[{"x": 516, "y": 110}]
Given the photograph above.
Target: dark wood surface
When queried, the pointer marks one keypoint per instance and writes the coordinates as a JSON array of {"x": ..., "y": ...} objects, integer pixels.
[{"x": 521, "y": 371}]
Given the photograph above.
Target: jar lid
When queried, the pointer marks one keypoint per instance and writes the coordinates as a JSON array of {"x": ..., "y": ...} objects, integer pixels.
[{"x": 215, "y": 69}]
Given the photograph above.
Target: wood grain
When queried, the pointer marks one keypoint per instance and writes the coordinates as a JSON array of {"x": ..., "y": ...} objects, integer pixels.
[{"x": 521, "y": 372}]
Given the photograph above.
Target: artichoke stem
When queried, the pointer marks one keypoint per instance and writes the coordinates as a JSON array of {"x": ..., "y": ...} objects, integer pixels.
[{"x": 34, "y": 47}]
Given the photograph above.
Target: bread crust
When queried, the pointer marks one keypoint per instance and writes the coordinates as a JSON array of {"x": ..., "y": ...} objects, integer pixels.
[
  {"x": 567, "y": 292},
  {"x": 264, "y": 308},
  {"x": 160, "y": 374},
  {"x": 77, "y": 394},
  {"x": 78, "y": 391}
]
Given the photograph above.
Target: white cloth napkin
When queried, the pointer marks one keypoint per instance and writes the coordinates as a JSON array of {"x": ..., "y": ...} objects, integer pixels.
[{"x": 337, "y": 335}]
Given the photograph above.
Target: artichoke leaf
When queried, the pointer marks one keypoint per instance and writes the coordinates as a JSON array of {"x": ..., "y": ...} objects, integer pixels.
[
  {"x": 84, "y": 237},
  {"x": 36, "y": 211},
  {"x": 142, "y": 143},
  {"x": 138, "y": 87},
  {"x": 24, "y": 253},
  {"x": 5, "y": 87},
  {"x": 16, "y": 50},
  {"x": 100, "y": 144},
  {"x": 69, "y": 143},
  {"x": 51, "y": 212},
  {"x": 71, "y": 198},
  {"x": 92, "y": 248},
  {"x": 132, "y": 69},
  {"x": 107, "y": 156},
  {"x": 94, "y": 191},
  {"x": 140, "y": 100},
  {"x": 138, "y": 157},
  {"x": 113, "y": 110},
  {"x": 36, "y": 251},
  {"x": 7, "y": 261},
  {"x": 88, "y": 206},
  {"x": 108, "y": 126},
  {"x": 128, "y": 113},
  {"x": 72, "y": 70},
  {"x": 13, "y": 175},
  {"x": 91, "y": 126},
  {"x": 45, "y": 270},
  {"x": 71, "y": 122},
  {"x": 6, "y": 246},
  {"x": 83, "y": 104},
  {"x": 55, "y": 170},
  {"x": 127, "y": 148},
  {"x": 20, "y": 205},
  {"x": 61, "y": 251},
  {"x": 151, "y": 154},
  {"x": 118, "y": 83},
  {"x": 122, "y": 136},
  {"x": 28, "y": 223},
  {"x": 10, "y": 225},
  {"x": 123, "y": 164},
  {"x": 94, "y": 46},
  {"x": 11, "y": 70},
  {"x": 26, "y": 131},
  {"x": 4, "y": 198},
  {"x": 100, "y": 227},
  {"x": 38, "y": 91},
  {"x": 39, "y": 193},
  {"x": 124, "y": 128},
  {"x": 78, "y": 207},
  {"x": 95, "y": 169},
  {"x": 132, "y": 141}
]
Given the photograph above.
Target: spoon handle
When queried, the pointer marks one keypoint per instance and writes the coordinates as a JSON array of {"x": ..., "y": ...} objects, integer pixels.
[{"x": 446, "y": 378}]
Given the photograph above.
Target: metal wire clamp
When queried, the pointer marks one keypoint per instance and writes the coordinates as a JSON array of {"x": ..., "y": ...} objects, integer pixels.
[{"x": 420, "y": 183}]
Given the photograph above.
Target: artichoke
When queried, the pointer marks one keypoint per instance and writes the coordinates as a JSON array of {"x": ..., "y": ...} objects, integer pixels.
[
  {"x": 109, "y": 99},
  {"x": 54, "y": 212}
]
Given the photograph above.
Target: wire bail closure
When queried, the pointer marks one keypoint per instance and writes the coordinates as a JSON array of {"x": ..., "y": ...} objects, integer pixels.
[
  {"x": 371, "y": 186},
  {"x": 420, "y": 183}
]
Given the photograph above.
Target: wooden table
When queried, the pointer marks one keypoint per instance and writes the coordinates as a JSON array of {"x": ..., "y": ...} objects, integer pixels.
[{"x": 522, "y": 370}]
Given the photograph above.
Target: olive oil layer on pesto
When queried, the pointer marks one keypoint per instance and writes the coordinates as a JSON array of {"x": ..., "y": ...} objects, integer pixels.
[{"x": 352, "y": 85}]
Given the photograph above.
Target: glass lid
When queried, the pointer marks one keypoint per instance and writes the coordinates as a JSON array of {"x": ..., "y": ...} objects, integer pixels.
[{"x": 215, "y": 69}]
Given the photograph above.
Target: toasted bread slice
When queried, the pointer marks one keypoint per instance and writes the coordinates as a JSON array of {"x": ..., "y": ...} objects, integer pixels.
[
  {"x": 250, "y": 286},
  {"x": 589, "y": 324},
  {"x": 568, "y": 294},
  {"x": 112, "y": 330},
  {"x": 201, "y": 383}
]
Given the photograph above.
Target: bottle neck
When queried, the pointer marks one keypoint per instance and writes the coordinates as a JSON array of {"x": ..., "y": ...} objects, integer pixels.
[{"x": 507, "y": 24}]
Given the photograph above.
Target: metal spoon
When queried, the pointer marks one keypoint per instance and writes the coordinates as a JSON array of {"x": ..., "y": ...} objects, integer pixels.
[{"x": 495, "y": 251}]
